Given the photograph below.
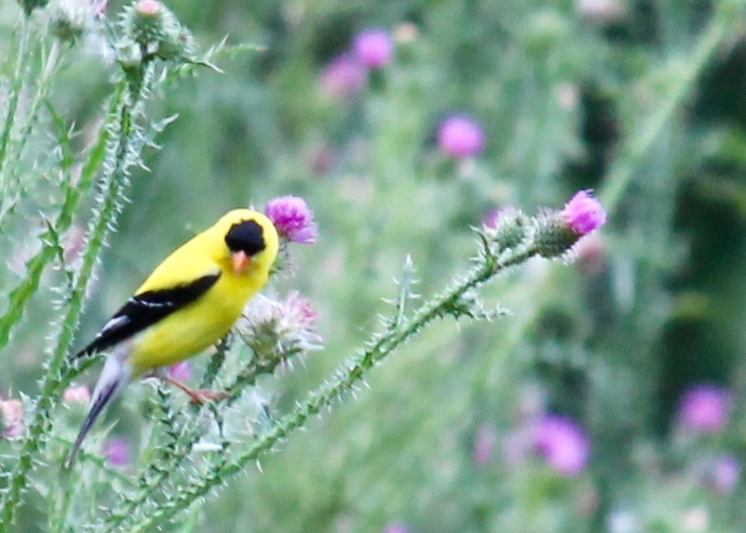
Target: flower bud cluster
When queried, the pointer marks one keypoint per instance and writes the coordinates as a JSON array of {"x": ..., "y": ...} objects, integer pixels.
[{"x": 548, "y": 234}]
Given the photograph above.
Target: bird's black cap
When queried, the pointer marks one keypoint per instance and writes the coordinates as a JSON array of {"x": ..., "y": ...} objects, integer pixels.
[{"x": 246, "y": 236}]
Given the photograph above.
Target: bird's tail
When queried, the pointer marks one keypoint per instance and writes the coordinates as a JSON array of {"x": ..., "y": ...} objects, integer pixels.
[{"x": 114, "y": 377}]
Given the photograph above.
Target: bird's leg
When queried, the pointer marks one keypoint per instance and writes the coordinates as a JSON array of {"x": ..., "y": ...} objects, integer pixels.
[{"x": 198, "y": 396}]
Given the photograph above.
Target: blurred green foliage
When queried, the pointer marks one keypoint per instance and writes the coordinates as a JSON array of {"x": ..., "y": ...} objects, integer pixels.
[{"x": 642, "y": 102}]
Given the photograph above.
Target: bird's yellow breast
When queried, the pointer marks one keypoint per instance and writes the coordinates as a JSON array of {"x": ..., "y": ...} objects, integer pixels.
[{"x": 198, "y": 325}]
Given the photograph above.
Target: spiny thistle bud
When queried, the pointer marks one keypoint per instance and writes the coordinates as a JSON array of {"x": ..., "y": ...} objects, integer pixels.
[
  {"x": 129, "y": 54},
  {"x": 72, "y": 18},
  {"x": 157, "y": 31},
  {"x": 509, "y": 230},
  {"x": 557, "y": 231},
  {"x": 277, "y": 330}
]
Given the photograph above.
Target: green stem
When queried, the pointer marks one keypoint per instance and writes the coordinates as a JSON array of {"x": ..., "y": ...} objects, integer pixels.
[
  {"x": 15, "y": 92},
  {"x": 20, "y": 296},
  {"x": 14, "y": 186},
  {"x": 58, "y": 367}
]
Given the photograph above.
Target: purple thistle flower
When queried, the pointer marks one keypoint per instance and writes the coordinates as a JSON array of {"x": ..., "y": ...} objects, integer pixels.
[
  {"x": 704, "y": 408},
  {"x": 725, "y": 473},
  {"x": 373, "y": 47},
  {"x": 583, "y": 213},
  {"x": 292, "y": 218},
  {"x": 563, "y": 444},
  {"x": 117, "y": 451},
  {"x": 180, "y": 371},
  {"x": 460, "y": 136},
  {"x": 343, "y": 76}
]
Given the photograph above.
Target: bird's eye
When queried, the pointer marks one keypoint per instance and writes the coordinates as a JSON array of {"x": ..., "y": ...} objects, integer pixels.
[{"x": 246, "y": 236}]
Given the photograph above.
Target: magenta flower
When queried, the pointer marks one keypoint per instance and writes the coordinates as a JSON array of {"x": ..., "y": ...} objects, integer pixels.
[
  {"x": 563, "y": 444},
  {"x": 292, "y": 218},
  {"x": 180, "y": 371},
  {"x": 343, "y": 76},
  {"x": 460, "y": 136},
  {"x": 117, "y": 451},
  {"x": 704, "y": 408},
  {"x": 583, "y": 213},
  {"x": 373, "y": 47}
]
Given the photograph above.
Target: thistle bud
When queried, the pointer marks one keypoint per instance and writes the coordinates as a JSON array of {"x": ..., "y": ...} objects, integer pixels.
[
  {"x": 510, "y": 229},
  {"x": 558, "y": 231},
  {"x": 157, "y": 31},
  {"x": 72, "y": 18}
]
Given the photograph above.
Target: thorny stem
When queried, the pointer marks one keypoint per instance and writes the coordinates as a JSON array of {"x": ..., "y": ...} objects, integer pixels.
[
  {"x": 344, "y": 380},
  {"x": 58, "y": 366}
]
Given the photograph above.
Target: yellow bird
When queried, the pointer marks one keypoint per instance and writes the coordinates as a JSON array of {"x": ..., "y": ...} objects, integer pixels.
[{"x": 189, "y": 302}]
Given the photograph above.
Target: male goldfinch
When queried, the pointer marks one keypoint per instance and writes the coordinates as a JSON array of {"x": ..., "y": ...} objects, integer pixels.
[{"x": 191, "y": 300}]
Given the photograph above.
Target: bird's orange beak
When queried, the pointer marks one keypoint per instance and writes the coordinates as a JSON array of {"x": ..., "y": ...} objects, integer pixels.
[{"x": 240, "y": 262}]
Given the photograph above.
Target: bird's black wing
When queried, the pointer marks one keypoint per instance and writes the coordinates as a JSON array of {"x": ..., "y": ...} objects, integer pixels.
[{"x": 145, "y": 309}]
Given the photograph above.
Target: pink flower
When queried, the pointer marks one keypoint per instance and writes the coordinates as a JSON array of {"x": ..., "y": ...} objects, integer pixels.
[
  {"x": 563, "y": 444},
  {"x": 180, "y": 371},
  {"x": 373, "y": 47},
  {"x": 491, "y": 217},
  {"x": 704, "y": 408},
  {"x": 11, "y": 418},
  {"x": 148, "y": 8},
  {"x": 343, "y": 76},
  {"x": 76, "y": 394},
  {"x": 292, "y": 218},
  {"x": 460, "y": 136},
  {"x": 117, "y": 451},
  {"x": 583, "y": 213}
]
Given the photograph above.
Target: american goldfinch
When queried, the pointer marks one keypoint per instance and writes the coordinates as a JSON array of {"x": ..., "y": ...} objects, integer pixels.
[{"x": 190, "y": 301}]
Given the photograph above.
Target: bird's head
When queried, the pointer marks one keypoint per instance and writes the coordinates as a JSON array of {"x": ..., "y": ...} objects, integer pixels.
[{"x": 250, "y": 241}]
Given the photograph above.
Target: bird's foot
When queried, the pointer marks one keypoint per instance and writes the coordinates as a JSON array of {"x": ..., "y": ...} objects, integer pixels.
[{"x": 198, "y": 396}]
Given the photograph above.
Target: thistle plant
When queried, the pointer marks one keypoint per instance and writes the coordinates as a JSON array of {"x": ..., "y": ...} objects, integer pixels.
[{"x": 67, "y": 184}]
